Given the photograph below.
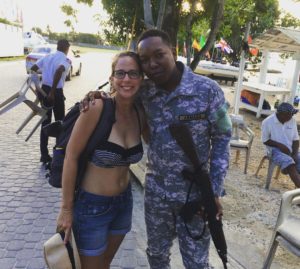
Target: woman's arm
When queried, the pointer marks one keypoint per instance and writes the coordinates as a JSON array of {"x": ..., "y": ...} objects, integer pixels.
[{"x": 81, "y": 133}]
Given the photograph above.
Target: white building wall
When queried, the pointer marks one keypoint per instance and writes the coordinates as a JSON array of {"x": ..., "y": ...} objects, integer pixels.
[{"x": 11, "y": 41}]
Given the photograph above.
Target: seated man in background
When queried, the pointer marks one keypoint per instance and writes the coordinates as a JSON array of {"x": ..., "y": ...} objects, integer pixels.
[{"x": 280, "y": 135}]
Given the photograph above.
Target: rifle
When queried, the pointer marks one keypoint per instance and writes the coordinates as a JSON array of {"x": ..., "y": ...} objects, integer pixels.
[{"x": 183, "y": 137}]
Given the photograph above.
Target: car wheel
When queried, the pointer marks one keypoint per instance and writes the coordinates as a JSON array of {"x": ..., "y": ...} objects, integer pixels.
[
  {"x": 79, "y": 71},
  {"x": 68, "y": 77}
]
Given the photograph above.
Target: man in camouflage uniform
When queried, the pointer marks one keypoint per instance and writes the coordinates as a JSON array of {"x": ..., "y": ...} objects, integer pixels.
[{"x": 176, "y": 95}]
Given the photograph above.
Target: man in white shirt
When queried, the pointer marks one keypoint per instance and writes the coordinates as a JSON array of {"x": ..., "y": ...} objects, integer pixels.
[
  {"x": 280, "y": 135},
  {"x": 55, "y": 67}
]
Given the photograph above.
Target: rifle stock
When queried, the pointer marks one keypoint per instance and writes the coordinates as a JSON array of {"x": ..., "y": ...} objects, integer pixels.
[{"x": 183, "y": 137}]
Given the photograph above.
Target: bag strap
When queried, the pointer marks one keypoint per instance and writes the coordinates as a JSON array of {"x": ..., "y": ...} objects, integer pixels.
[
  {"x": 101, "y": 132},
  {"x": 75, "y": 252},
  {"x": 72, "y": 250},
  {"x": 104, "y": 125}
]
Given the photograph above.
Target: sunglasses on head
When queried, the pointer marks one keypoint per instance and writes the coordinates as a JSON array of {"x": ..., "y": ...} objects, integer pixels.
[{"x": 120, "y": 74}]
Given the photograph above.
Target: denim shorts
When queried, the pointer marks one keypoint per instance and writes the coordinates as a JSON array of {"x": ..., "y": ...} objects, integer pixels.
[
  {"x": 97, "y": 216},
  {"x": 284, "y": 160}
]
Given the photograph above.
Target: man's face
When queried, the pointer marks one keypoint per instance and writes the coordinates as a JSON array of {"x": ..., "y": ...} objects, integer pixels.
[
  {"x": 285, "y": 116},
  {"x": 157, "y": 60}
]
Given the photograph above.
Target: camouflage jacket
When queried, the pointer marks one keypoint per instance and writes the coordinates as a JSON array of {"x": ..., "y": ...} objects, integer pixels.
[{"x": 199, "y": 103}]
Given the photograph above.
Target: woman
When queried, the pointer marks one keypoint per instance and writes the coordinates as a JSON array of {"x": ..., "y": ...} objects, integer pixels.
[{"x": 102, "y": 207}]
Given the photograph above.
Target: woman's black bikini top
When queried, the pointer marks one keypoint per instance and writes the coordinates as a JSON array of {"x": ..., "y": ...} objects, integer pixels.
[{"x": 108, "y": 154}]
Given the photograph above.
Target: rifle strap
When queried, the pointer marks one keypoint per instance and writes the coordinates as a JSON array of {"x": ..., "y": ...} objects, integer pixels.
[{"x": 195, "y": 237}]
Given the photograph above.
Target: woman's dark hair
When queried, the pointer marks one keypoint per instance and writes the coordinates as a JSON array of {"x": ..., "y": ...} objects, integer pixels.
[
  {"x": 131, "y": 54},
  {"x": 155, "y": 33}
]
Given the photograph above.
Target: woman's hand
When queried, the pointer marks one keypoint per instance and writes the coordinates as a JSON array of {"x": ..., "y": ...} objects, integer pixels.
[{"x": 64, "y": 222}]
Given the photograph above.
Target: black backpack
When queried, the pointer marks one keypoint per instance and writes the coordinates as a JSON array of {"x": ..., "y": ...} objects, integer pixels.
[{"x": 101, "y": 133}]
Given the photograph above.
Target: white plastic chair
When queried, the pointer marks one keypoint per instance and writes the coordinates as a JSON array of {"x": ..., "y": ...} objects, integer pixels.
[
  {"x": 271, "y": 167},
  {"x": 287, "y": 229},
  {"x": 239, "y": 144},
  {"x": 19, "y": 98}
]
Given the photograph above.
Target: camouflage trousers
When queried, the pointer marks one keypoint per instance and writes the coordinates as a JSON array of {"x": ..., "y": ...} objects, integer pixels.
[{"x": 163, "y": 224}]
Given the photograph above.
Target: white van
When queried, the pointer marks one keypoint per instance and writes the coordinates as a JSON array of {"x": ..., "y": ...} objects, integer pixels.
[{"x": 32, "y": 39}]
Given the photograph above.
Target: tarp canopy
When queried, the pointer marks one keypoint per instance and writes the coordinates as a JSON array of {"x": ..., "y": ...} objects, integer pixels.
[
  {"x": 281, "y": 40},
  {"x": 278, "y": 40}
]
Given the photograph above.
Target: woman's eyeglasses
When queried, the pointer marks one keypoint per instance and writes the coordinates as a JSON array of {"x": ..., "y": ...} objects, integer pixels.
[{"x": 120, "y": 74}]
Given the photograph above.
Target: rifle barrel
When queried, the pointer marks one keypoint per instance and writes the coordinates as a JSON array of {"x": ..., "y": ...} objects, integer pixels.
[{"x": 183, "y": 137}]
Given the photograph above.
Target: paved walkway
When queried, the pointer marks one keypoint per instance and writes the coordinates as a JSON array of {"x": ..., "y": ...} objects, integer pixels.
[{"x": 29, "y": 205}]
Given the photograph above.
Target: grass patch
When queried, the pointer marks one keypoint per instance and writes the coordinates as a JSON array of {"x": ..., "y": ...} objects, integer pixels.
[
  {"x": 14, "y": 58},
  {"x": 88, "y": 49}
]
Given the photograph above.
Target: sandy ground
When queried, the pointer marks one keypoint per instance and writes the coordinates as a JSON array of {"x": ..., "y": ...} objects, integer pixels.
[{"x": 248, "y": 208}]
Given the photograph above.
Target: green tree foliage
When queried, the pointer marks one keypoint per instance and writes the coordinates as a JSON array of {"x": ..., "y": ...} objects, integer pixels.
[
  {"x": 78, "y": 38},
  {"x": 88, "y": 2},
  {"x": 72, "y": 14},
  {"x": 262, "y": 14},
  {"x": 38, "y": 30},
  {"x": 5, "y": 21},
  {"x": 289, "y": 20},
  {"x": 122, "y": 15}
]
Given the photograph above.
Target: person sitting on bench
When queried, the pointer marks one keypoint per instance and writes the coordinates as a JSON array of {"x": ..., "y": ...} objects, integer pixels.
[{"x": 280, "y": 135}]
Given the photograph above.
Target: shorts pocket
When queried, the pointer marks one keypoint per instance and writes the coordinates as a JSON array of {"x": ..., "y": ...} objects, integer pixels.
[{"x": 95, "y": 210}]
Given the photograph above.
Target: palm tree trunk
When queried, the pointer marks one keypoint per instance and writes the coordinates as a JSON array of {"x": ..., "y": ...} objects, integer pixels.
[
  {"x": 148, "y": 14},
  {"x": 161, "y": 12},
  {"x": 215, "y": 24}
]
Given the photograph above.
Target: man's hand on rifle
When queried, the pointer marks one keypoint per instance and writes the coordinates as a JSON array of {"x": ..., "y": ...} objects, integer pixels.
[
  {"x": 201, "y": 211},
  {"x": 220, "y": 209}
]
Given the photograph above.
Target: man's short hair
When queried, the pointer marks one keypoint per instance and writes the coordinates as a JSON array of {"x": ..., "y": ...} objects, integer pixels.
[
  {"x": 155, "y": 33},
  {"x": 63, "y": 44}
]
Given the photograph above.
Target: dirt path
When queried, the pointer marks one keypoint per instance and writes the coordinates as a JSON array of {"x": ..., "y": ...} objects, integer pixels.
[{"x": 249, "y": 208}]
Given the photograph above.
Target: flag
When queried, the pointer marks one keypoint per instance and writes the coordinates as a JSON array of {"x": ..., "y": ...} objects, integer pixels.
[
  {"x": 253, "y": 51},
  {"x": 249, "y": 39},
  {"x": 202, "y": 41},
  {"x": 196, "y": 45},
  {"x": 224, "y": 46}
]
